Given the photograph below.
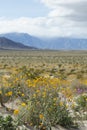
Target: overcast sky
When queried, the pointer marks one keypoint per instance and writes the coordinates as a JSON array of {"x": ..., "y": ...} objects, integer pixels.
[{"x": 44, "y": 17}]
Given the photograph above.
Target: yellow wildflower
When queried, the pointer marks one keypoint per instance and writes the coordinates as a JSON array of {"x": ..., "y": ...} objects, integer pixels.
[
  {"x": 73, "y": 105},
  {"x": 61, "y": 103},
  {"x": 34, "y": 95},
  {"x": 16, "y": 112},
  {"x": 41, "y": 116},
  {"x": 9, "y": 93},
  {"x": 38, "y": 91},
  {"x": 67, "y": 106},
  {"x": 23, "y": 104},
  {"x": 44, "y": 94},
  {"x": 31, "y": 124},
  {"x": 55, "y": 99},
  {"x": 22, "y": 94}
]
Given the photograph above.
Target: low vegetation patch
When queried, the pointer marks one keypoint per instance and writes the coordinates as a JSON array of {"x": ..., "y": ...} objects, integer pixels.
[{"x": 48, "y": 91}]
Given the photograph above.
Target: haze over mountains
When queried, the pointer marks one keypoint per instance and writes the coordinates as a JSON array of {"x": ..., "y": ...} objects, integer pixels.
[{"x": 57, "y": 43}]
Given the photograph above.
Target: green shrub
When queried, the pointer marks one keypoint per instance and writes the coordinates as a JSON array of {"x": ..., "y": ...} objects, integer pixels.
[
  {"x": 6, "y": 123},
  {"x": 82, "y": 102},
  {"x": 47, "y": 111}
]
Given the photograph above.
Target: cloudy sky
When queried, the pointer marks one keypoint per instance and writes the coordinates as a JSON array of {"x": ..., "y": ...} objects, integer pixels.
[{"x": 44, "y": 17}]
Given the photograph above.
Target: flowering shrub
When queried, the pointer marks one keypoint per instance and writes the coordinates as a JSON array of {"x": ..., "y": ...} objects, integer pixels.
[{"x": 45, "y": 101}]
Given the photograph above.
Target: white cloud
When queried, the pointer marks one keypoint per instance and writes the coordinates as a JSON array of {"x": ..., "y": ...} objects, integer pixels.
[
  {"x": 70, "y": 13},
  {"x": 74, "y": 9},
  {"x": 55, "y": 3},
  {"x": 60, "y": 11},
  {"x": 34, "y": 26},
  {"x": 65, "y": 18},
  {"x": 41, "y": 26}
]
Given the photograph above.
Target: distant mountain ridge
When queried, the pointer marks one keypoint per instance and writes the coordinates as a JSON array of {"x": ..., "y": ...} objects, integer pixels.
[
  {"x": 66, "y": 43},
  {"x": 57, "y": 43},
  {"x": 24, "y": 38},
  {"x": 6, "y": 43}
]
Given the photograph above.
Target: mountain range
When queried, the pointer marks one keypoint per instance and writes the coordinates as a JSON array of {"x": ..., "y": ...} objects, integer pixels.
[
  {"x": 6, "y": 43},
  {"x": 56, "y": 43},
  {"x": 24, "y": 38}
]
